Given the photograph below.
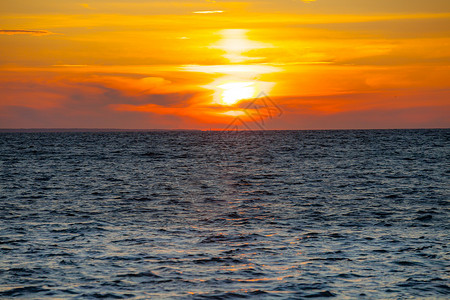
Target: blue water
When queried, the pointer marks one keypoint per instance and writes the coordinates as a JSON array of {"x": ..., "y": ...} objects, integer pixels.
[{"x": 224, "y": 215}]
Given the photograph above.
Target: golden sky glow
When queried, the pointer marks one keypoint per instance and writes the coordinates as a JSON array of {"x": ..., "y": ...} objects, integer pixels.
[{"x": 197, "y": 64}]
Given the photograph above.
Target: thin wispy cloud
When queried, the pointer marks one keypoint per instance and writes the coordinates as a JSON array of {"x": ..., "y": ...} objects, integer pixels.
[
  {"x": 21, "y": 31},
  {"x": 70, "y": 66},
  {"x": 209, "y": 12},
  {"x": 86, "y": 5}
]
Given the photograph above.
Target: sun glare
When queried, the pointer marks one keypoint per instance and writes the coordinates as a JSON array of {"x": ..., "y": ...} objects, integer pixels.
[
  {"x": 235, "y": 43},
  {"x": 235, "y": 91},
  {"x": 241, "y": 77}
]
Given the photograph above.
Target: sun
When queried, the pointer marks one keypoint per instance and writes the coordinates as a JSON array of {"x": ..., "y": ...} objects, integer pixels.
[{"x": 233, "y": 92}]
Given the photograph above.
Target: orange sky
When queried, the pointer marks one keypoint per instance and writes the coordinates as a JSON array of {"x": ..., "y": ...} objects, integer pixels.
[{"x": 324, "y": 64}]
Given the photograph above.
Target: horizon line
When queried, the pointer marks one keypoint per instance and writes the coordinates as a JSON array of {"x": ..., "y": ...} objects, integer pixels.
[{"x": 75, "y": 129}]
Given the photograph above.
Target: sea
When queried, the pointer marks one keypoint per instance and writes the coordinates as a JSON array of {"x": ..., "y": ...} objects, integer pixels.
[{"x": 345, "y": 214}]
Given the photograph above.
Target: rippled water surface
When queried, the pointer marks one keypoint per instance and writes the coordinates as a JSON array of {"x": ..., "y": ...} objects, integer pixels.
[{"x": 217, "y": 215}]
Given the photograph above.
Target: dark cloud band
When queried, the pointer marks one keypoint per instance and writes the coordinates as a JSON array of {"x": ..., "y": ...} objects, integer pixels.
[{"x": 21, "y": 31}]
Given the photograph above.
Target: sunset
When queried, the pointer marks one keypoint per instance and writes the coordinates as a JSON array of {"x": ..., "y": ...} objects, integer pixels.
[
  {"x": 224, "y": 149},
  {"x": 186, "y": 64}
]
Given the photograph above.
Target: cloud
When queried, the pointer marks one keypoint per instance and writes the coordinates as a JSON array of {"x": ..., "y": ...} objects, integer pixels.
[
  {"x": 209, "y": 12},
  {"x": 86, "y": 5},
  {"x": 71, "y": 66},
  {"x": 21, "y": 31}
]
